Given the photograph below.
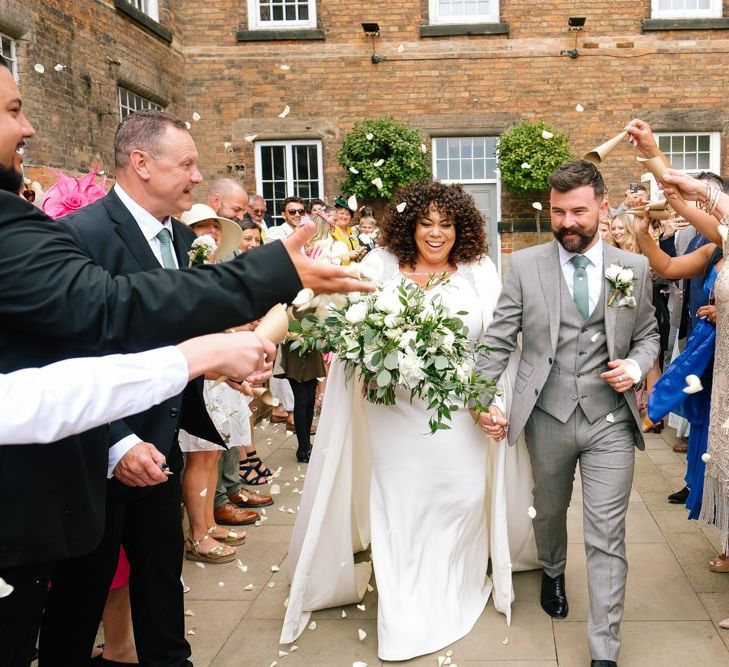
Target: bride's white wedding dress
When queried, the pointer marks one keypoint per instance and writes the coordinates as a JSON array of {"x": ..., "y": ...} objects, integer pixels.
[{"x": 435, "y": 508}]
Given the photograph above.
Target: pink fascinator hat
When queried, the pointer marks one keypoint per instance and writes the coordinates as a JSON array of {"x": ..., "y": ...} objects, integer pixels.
[{"x": 69, "y": 194}]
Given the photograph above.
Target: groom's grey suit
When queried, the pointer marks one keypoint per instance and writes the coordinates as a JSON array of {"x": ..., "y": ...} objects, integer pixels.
[{"x": 569, "y": 413}]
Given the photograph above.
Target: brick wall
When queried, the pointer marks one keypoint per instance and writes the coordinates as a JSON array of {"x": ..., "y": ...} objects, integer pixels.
[{"x": 442, "y": 86}]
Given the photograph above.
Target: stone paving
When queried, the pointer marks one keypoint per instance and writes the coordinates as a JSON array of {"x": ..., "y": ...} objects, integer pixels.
[{"x": 673, "y": 605}]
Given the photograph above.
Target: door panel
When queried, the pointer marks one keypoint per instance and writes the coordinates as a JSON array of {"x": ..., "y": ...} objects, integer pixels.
[{"x": 484, "y": 194}]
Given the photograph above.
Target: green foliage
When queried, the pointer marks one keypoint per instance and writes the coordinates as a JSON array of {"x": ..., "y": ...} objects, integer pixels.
[
  {"x": 399, "y": 146},
  {"x": 524, "y": 144}
]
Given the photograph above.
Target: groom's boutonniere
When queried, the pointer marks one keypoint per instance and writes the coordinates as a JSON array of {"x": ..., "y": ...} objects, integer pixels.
[
  {"x": 202, "y": 250},
  {"x": 622, "y": 281}
]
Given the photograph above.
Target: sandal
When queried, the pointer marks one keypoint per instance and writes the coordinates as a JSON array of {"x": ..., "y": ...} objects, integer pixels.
[
  {"x": 250, "y": 476},
  {"x": 220, "y": 554},
  {"x": 719, "y": 564},
  {"x": 232, "y": 537},
  {"x": 258, "y": 464}
]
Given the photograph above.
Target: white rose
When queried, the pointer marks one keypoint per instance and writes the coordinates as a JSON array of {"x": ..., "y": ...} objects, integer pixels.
[
  {"x": 625, "y": 275},
  {"x": 411, "y": 369},
  {"x": 393, "y": 334},
  {"x": 356, "y": 313},
  {"x": 407, "y": 338},
  {"x": 612, "y": 273},
  {"x": 389, "y": 302},
  {"x": 463, "y": 372},
  {"x": 448, "y": 340},
  {"x": 390, "y": 321}
]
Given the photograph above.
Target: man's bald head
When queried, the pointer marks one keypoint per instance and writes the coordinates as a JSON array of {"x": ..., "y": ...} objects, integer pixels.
[{"x": 228, "y": 198}]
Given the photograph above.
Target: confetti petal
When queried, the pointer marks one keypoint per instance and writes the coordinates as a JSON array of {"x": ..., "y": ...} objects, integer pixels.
[
  {"x": 204, "y": 492},
  {"x": 401, "y": 207},
  {"x": 187, "y": 125},
  {"x": 370, "y": 588},
  {"x": 706, "y": 457},
  {"x": 201, "y": 565},
  {"x": 189, "y": 612},
  {"x": 281, "y": 654},
  {"x": 273, "y": 664},
  {"x": 579, "y": 108},
  {"x": 221, "y": 584},
  {"x": 537, "y": 205},
  {"x": 352, "y": 203},
  {"x": 447, "y": 661},
  {"x": 5, "y": 588},
  {"x": 312, "y": 625},
  {"x": 354, "y": 170},
  {"x": 400, "y": 48},
  {"x": 505, "y": 641},
  {"x": 275, "y": 568},
  {"x": 249, "y": 587},
  {"x": 227, "y": 145},
  {"x": 59, "y": 68},
  {"x": 609, "y": 418},
  {"x": 274, "y": 490},
  {"x": 379, "y": 163},
  {"x": 361, "y": 607},
  {"x": 595, "y": 337},
  {"x": 294, "y": 648},
  {"x": 195, "y": 116},
  {"x": 241, "y": 567},
  {"x": 190, "y": 632},
  {"x": 285, "y": 112},
  {"x": 526, "y": 165},
  {"x": 369, "y": 136},
  {"x": 271, "y": 584},
  {"x": 361, "y": 634},
  {"x": 377, "y": 182},
  {"x": 344, "y": 614},
  {"x": 250, "y": 137},
  {"x": 546, "y": 134},
  {"x": 531, "y": 512},
  {"x": 39, "y": 68},
  {"x": 291, "y": 511},
  {"x": 359, "y": 663},
  {"x": 693, "y": 385},
  {"x": 284, "y": 67},
  {"x": 441, "y": 660},
  {"x": 423, "y": 149}
]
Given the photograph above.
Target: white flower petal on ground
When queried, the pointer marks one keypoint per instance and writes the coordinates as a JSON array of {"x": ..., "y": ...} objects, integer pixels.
[
  {"x": 579, "y": 108},
  {"x": 537, "y": 205},
  {"x": 706, "y": 457},
  {"x": 441, "y": 660},
  {"x": 189, "y": 612},
  {"x": 200, "y": 565},
  {"x": 249, "y": 587},
  {"x": 377, "y": 182},
  {"x": 196, "y": 116},
  {"x": 449, "y": 653},
  {"x": 693, "y": 384},
  {"x": 370, "y": 588},
  {"x": 285, "y": 112},
  {"x": 447, "y": 661},
  {"x": 531, "y": 512},
  {"x": 271, "y": 584},
  {"x": 240, "y": 566},
  {"x": 361, "y": 634},
  {"x": 369, "y": 136},
  {"x": 354, "y": 170},
  {"x": 250, "y": 137},
  {"x": 294, "y": 648},
  {"x": 5, "y": 588},
  {"x": 273, "y": 664},
  {"x": 526, "y": 165},
  {"x": 59, "y": 68},
  {"x": 609, "y": 418},
  {"x": 39, "y": 68},
  {"x": 546, "y": 134},
  {"x": 221, "y": 584},
  {"x": 290, "y": 511},
  {"x": 379, "y": 163},
  {"x": 281, "y": 653},
  {"x": 401, "y": 207},
  {"x": 190, "y": 632},
  {"x": 344, "y": 614},
  {"x": 274, "y": 490},
  {"x": 505, "y": 641},
  {"x": 359, "y": 663},
  {"x": 312, "y": 625},
  {"x": 187, "y": 124},
  {"x": 275, "y": 568},
  {"x": 204, "y": 492},
  {"x": 361, "y": 607}
]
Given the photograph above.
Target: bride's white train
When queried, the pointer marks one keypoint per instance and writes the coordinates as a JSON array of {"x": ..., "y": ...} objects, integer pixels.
[{"x": 434, "y": 508}]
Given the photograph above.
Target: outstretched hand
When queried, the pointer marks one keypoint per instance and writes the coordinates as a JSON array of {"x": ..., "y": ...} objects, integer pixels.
[
  {"x": 676, "y": 183},
  {"x": 641, "y": 136},
  {"x": 321, "y": 277}
]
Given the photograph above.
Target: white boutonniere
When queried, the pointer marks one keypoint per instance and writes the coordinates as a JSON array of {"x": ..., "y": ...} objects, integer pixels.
[{"x": 622, "y": 282}]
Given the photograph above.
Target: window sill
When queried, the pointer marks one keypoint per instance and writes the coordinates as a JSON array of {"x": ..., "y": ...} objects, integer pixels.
[
  {"x": 279, "y": 34},
  {"x": 149, "y": 23},
  {"x": 456, "y": 29},
  {"x": 650, "y": 25}
]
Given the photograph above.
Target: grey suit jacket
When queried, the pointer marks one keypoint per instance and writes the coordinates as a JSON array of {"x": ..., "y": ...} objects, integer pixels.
[{"x": 529, "y": 302}]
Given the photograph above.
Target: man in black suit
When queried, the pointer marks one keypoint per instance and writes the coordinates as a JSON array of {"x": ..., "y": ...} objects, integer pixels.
[{"x": 56, "y": 303}]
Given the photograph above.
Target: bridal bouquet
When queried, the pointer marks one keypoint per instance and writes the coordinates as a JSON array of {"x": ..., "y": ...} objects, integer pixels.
[
  {"x": 399, "y": 338},
  {"x": 202, "y": 250}
]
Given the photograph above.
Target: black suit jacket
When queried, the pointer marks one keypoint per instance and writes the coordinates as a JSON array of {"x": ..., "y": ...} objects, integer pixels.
[
  {"x": 108, "y": 233},
  {"x": 56, "y": 303}
]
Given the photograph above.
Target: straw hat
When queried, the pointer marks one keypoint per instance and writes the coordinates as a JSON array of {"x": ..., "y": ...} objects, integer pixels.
[{"x": 231, "y": 233}]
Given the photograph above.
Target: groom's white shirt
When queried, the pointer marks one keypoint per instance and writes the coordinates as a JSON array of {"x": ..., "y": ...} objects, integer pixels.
[{"x": 593, "y": 269}]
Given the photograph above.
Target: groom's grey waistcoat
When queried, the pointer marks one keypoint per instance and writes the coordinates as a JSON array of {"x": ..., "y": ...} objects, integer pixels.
[{"x": 581, "y": 356}]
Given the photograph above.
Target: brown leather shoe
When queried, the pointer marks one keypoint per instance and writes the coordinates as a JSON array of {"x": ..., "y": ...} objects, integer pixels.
[
  {"x": 230, "y": 515},
  {"x": 680, "y": 447},
  {"x": 278, "y": 419},
  {"x": 249, "y": 498}
]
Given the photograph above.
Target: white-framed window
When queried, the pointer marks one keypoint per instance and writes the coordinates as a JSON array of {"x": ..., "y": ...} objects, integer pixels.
[
  {"x": 9, "y": 50},
  {"x": 465, "y": 159},
  {"x": 692, "y": 152},
  {"x": 288, "y": 169},
  {"x": 274, "y": 14},
  {"x": 463, "y": 11},
  {"x": 130, "y": 102},
  {"x": 685, "y": 9},
  {"x": 148, "y": 7}
]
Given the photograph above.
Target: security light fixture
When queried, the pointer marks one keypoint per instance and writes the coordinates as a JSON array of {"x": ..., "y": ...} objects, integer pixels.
[
  {"x": 373, "y": 30},
  {"x": 576, "y": 23}
]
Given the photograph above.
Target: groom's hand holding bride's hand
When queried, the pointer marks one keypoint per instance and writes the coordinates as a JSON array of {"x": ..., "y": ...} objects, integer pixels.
[
  {"x": 621, "y": 375},
  {"x": 493, "y": 423}
]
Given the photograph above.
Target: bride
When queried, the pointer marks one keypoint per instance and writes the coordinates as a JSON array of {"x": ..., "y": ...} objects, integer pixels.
[{"x": 435, "y": 508}]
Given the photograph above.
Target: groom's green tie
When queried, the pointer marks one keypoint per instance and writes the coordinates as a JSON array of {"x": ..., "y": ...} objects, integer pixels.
[
  {"x": 165, "y": 241},
  {"x": 580, "y": 289}
]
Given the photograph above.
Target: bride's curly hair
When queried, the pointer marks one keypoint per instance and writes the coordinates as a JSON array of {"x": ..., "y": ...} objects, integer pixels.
[{"x": 398, "y": 227}]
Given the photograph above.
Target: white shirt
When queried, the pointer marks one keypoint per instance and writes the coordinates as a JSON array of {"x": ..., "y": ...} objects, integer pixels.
[
  {"x": 150, "y": 227},
  {"x": 279, "y": 233},
  {"x": 595, "y": 278},
  {"x": 40, "y": 405}
]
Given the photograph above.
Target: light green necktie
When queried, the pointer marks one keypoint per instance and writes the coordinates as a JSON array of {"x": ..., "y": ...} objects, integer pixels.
[
  {"x": 580, "y": 289},
  {"x": 165, "y": 241}
]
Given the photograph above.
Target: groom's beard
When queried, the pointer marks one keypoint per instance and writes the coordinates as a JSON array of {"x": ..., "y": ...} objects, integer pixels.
[
  {"x": 10, "y": 179},
  {"x": 578, "y": 239}
]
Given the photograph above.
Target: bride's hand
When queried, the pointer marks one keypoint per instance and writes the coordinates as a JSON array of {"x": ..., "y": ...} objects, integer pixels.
[{"x": 493, "y": 423}]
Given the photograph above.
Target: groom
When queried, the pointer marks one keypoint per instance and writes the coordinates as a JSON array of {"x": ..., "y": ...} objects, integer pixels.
[{"x": 583, "y": 352}]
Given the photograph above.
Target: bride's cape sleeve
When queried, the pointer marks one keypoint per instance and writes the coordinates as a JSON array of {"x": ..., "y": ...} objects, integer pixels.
[
  {"x": 333, "y": 522},
  {"x": 511, "y": 535}
]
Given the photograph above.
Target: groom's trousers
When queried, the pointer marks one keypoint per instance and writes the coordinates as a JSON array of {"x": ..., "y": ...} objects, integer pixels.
[{"x": 605, "y": 451}]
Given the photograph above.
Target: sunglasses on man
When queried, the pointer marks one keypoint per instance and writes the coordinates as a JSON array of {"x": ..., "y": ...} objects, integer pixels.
[{"x": 296, "y": 211}]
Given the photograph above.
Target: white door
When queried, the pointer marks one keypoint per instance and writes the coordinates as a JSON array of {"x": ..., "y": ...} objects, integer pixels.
[{"x": 484, "y": 194}]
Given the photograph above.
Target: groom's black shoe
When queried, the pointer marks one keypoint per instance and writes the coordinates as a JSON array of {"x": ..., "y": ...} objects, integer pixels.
[
  {"x": 554, "y": 598},
  {"x": 603, "y": 663}
]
